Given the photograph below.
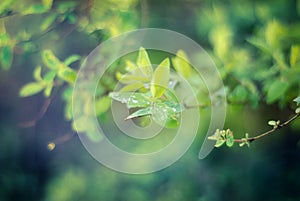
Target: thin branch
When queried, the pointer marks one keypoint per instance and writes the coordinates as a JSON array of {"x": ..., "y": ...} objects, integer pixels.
[
  {"x": 275, "y": 128},
  {"x": 42, "y": 112}
]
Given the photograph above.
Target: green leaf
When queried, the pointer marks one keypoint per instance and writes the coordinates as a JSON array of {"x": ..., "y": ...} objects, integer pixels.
[
  {"x": 133, "y": 87},
  {"x": 220, "y": 142},
  {"x": 129, "y": 78},
  {"x": 229, "y": 138},
  {"x": 160, "y": 78},
  {"x": 48, "y": 89},
  {"x": 31, "y": 89},
  {"x": 297, "y": 111},
  {"x": 181, "y": 64},
  {"x": 272, "y": 123},
  {"x": 72, "y": 59},
  {"x": 49, "y": 76},
  {"x": 276, "y": 90},
  {"x": 50, "y": 60},
  {"x": 297, "y": 100},
  {"x": 140, "y": 113},
  {"x": 165, "y": 116},
  {"x": 102, "y": 105},
  {"x": 35, "y": 9},
  {"x": 295, "y": 55},
  {"x": 131, "y": 99},
  {"x": 48, "y": 22},
  {"x": 37, "y": 73},
  {"x": 144, "y": 63},
  {"x": 67, "y": 74},
  {"x": 130, "y": 66},
  {"x": 6, "y": 57}
]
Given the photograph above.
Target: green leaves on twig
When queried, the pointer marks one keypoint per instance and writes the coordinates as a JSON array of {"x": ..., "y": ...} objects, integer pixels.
[
  {"x": 57, "y": 69},
  {"x": 223, "y": 136}
]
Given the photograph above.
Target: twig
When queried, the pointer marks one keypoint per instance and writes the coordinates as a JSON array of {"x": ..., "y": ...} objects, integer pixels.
[
  {"x": 42, "y": 112},
  {"x": 276, "y": 127}
]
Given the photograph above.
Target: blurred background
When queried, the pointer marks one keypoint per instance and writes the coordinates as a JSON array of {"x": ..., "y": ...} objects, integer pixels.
[{"x": 237, "y": 34}]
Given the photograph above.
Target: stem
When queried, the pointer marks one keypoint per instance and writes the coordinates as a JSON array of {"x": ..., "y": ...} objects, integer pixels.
[{"x": 270, "y": 131}]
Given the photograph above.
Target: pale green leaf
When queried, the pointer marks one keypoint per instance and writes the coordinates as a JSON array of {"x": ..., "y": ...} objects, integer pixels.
[
  {"x": 160, "y": 78},
  {"x": 37, "y": 73},
  {"x": 297, "y": 111},
  {"x": 133, "y": 87},
  {"x": 50, "y": 60},
  {"x": 48, "y": 89},
  {"x": 130, "y": 66},
  {"x": 48, "y": 22},
  {"x": 31, "y": 89},
  {"x": 72, "y": 59},
  {"x": 272, "y": 123},
  {"x": 181, "y": 64},
  {"x": 129, "y": 78},
  {"x": 144, "y": 63},
  {"x": 67, "y": 74}
]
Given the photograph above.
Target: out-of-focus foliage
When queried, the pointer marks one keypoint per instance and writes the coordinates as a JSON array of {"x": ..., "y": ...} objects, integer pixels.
[{"x": 255, "y": 45}]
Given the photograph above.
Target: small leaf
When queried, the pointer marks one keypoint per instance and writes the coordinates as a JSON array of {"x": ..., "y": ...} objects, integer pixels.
[
  {"x": 297, "y": 110},
  {"x": 276, "y": 90},
  {"x": 48, "y": 22},
  {"x": 165, "y": 116},
  {"x": 181, "y": 64},
  {"x": 220, "y": 142},
  {"x": 160, "y": 78},
  {"x": 297, "y": 100},
  {"x": 31, "y": 89},
  {"x": 144, "y": 63},
  {"x": 133, "y": 87},
  {"x": 6, "y": 57},
  {"x": 72, "y": 59},
  {"x": 49, "y": 76},
  {"x": 229, "y": 138},
  {"x": 48, "y": 89},
  {"x": 272, "y": 123},
  {"x": 138, "y": 100},
  {"x": 50, "y": 60},
  {"x": 140, "y": 113},
  {"x": 67, "y": 74},
  {"x": 130, "y": 66},
  {"x": 128, "y": 78},
  {"x": 37, "y": 73}
]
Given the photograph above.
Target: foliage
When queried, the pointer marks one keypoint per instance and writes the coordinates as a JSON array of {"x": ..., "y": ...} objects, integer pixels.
[{"x": 258, "y": 65}]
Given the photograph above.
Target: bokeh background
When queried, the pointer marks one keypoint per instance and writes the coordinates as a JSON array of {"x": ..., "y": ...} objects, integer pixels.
[{"x": 268, "y": 170}]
